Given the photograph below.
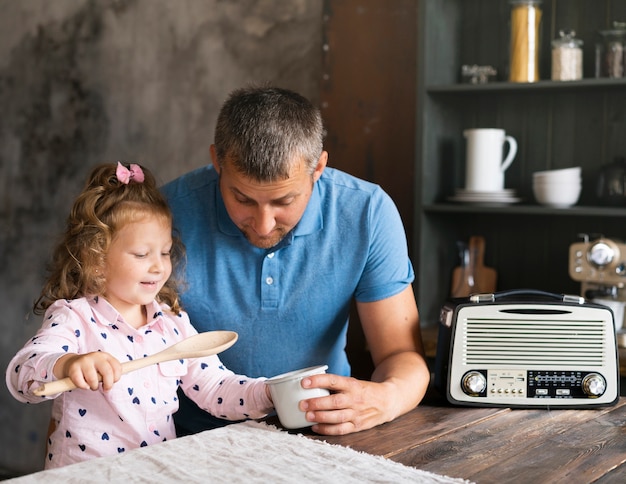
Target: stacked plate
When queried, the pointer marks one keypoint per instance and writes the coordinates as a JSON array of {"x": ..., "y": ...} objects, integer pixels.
[
  {"x": 557, "y": 188},
  {"x": 506, "y": 195}
]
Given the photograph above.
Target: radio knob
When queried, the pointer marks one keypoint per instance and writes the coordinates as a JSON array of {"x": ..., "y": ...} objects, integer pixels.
[
  {"x": 473, "y": 383},
  {"x": 594, "y": 384}
]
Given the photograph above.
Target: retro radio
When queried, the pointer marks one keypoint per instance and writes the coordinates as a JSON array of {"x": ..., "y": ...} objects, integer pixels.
[{"x": 527, "y": 348}]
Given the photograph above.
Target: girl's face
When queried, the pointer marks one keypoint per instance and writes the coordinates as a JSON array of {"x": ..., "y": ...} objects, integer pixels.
[{"x": 138, "y": 265}]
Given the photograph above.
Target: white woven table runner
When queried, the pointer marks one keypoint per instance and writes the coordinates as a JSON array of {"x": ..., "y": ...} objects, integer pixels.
[{"x": 245, "y": 452}]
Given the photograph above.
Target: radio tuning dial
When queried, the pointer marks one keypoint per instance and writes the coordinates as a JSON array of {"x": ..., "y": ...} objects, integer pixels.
[
  {"x": 594, "y": 384},
  {"x": 473, "y": 383}
]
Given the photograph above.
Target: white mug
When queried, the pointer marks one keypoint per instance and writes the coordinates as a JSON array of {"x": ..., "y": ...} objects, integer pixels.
[
  {"x": 485, "y": 161},
  {"x": 287, "y": 391}
]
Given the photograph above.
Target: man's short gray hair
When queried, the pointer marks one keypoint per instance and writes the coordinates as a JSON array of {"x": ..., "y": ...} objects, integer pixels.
[{"x": 264, "y": 130}]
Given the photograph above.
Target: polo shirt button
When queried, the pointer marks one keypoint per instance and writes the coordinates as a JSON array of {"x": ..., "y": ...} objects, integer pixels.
[
  {"x": 271, "y": 255},
  {"x": 139, "y": 338},
  {"x": 269, "y": 281}
]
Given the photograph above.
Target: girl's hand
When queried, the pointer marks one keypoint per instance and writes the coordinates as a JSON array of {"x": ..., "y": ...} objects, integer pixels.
[{"x": 87, "y": 370}]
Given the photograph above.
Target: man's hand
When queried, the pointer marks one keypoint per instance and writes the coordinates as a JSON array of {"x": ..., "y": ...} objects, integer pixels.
[
  {"x": 356, "y": 405},
  {"x": 399, "y": 381},
  {"x": 352, "y": 406}
]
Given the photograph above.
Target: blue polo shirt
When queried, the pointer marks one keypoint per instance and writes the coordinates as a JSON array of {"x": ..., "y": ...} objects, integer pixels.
[{"x": 290, "y": 304}]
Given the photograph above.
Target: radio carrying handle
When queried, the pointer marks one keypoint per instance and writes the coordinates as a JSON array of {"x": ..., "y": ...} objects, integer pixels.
[{"x": 517, "y": 293}]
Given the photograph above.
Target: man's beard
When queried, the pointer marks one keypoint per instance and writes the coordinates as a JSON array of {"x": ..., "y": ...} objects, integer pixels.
[{"x": 264, "y": 242}]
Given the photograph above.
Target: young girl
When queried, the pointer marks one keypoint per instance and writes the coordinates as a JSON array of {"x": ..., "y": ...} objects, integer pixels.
[{"x": 109, "y": 298}]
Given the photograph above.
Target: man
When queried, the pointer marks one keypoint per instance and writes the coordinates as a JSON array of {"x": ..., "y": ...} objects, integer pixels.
[{"x": 278, "y": 245}]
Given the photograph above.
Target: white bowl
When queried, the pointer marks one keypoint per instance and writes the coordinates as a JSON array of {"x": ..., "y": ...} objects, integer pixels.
[
  {"x": 556, "y": 178},
  {"x": 564, "y": 173},
  {"x": 558, "y": 195},
  {"x": 555, "y": 185}
]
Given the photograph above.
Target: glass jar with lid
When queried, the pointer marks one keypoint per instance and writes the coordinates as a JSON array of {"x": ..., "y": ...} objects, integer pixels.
[
  {"x": 525, "y": 38},
  {"x": 611, "y": 51},
  {"x": 567, "y": 57}
]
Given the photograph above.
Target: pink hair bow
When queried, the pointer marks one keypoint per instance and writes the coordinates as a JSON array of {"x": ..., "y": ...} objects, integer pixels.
[{"x": 125, "y": 175}]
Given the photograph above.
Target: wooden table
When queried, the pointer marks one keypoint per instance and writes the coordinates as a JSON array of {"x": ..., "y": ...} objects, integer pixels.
[
  {"x": 484, "y": 445},
  {"x": 500, "y": 445}
]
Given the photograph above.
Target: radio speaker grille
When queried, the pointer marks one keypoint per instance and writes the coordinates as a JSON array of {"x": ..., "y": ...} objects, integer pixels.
[{"x": 524, "y": 342}]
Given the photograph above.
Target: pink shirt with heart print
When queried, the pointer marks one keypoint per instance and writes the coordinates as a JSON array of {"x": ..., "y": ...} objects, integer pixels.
[{"x": 138, "y": 410}]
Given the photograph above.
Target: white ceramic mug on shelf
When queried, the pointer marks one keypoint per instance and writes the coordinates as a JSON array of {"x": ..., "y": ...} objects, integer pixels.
[{"x": 485, "y": 161}]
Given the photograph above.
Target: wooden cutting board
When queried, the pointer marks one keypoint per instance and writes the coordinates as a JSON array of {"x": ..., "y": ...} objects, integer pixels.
[{"x": 472, "y": 276}]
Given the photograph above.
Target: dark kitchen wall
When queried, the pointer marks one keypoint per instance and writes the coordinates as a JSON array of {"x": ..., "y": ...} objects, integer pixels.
[{"x": 82, "y": 82}]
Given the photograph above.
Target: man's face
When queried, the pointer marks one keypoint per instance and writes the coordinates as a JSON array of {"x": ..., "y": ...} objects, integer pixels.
[{"x": 266, "y": 211}]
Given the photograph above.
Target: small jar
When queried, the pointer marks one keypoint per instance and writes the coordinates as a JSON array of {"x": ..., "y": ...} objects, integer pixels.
[
  {"x": 611, "y": 52},
  {"x": 567, "y": 57},
  {"x": 525, "y": 38}
]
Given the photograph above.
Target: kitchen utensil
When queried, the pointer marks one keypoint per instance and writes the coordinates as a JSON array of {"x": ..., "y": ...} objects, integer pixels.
[
  {"x": 485, "y": 160},
  {"x": 611, "y": 189},
  {"x": 525, "y": 40},
  {"x": 560, "y": 174},
  {"x": 557, "y": 195},
  {"x": 472, "y": 276},
  {"x": 557, "y": 188},
  {"x": 199, "y": 345},
  {"x": 610, "y": 51},
  {"x": 287, "y": 391},
  {"x": 494, "y": 197},
  {"x": 567, "y": 57}
]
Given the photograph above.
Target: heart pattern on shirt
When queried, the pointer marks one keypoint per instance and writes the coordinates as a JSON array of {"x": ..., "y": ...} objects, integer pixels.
[{"x": 87, "y": 413}]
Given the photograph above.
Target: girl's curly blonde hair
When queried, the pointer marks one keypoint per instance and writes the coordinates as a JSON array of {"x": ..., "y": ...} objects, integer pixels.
[{"x": 103, "y": 207}]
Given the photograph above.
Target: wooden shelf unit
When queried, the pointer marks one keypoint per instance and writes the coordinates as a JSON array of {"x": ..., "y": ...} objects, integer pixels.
[{"x": 557, "y": 125}]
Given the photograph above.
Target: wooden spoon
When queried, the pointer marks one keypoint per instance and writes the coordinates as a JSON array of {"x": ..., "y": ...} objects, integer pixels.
[{"x": 199, "y": 345}]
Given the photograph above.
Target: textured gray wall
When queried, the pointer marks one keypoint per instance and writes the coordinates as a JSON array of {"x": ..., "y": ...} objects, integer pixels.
[{"x": 83, "y": 82}]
